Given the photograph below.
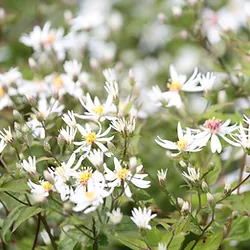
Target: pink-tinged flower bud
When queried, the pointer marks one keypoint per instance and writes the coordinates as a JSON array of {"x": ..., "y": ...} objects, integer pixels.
[
  {"x": 227, "y": 188},
  {"x": 210, "y": 199},
  {"x": 204, "y": 187}
]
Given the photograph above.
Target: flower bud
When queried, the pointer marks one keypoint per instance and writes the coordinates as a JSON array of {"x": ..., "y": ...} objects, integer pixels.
[
  {"x": 46, "y": 146},
  {"x": 17, "y": 126},
  {"x": 48, "y": 176},
  {"x": 235, "y": 214},
  {"x": 32, "y": 63},
  {"x": 162, "y": 17},
  {"x": 17, "y": 114},
  {"x": 210, "y": 199},
  {"x": 247, "y": 168},
  {"x": 180, "y": 202},
  {"x": 60, "y": 140},
  {"x": 162, "y": 175},
  {"x": 227, "y": 188},
  {"x": 131, "y": 76},
  {"x": 211, "y": 166},
  {"x": 183, "y": 164},
  {"x": 204, "y": 187},
  {"x": 67, "y": 208},
  {"x": 185, "y": 207}
]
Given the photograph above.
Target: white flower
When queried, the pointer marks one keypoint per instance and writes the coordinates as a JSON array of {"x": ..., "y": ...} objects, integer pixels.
[
  {"x": 158, "y": 97},
  {"x": 192, "y": 174},
  {"x": 115, "y": 216},
  {"x": 10, "y": 77},
  {"x": 207, "y": 81},
  {"x": 122, "y": 176},
  {"x": 96, "y": 158},
  {"x": 62, "y": 174},
  {"x": 6, "y": 135},
  {"x": 186, "y": 142},
  {"x": 45, "y": 236},
  {"x": 30, "y": 165},
  {"x": 90, "y": 137},
  {"x": 110, "y": 75},
  {"x": 123, "y": 126},
  {"x": 40, "y": 191},
  {"x": 36, "y": 127},
  {"x": 72, "y": 68},
  {"x": 213, "y": 128},
  {"x": 112, "y": 89},
  {"x": 162, "y": 246},
  {"x": 243, "y": 137},
  {"x": 142, "y": 217},
  {"x": 2, "y": 145},
  {"x": 162, "y": 175},
  {"x": 185, "y": 207},
  {"x": 68, "y": 134},
  {"x": 88, "y": 200},
  {"x": 96, "y": 110}
]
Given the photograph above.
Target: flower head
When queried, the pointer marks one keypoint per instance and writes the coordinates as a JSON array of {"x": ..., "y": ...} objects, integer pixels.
[
  {"x": 115, "y": 216},
  {"x": 30, "y": 165}
]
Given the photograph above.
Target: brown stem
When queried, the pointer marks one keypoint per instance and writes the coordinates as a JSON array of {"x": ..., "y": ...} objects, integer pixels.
[{"x": 37, "y": 231}]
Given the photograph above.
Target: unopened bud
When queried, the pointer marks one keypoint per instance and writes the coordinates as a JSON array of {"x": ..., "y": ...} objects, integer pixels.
[
  {"x": 132, "y": 164},
  {"x": 185, "y": 207},
  {"x": 183, "y": 164},
  {"x": 67, "y": 208},
  {"x": 247, "y": 168},
  {"x": 60, "y": 140},
  {"x": 17, "y": 126},
  {"x": 162, "y": 175},
  {"x": 227, "y": 188},
  {"x": 131, "y": 76},
  {"x": 17, "y": 114},
  {"x": 48, "y": 176},
  {"x": 211, "y": 166},
  {"x": 32, "y": 63},
  {"x": 177, "y": 11},
  {"x": 204, "y": 187},
  {"x": 180, "y": 202},
  {"x": 94, "y": 64},
  {"x": 210, "y": 199},
  {"x": 19, "y": 135},
  {"x": 162, "y": 17},
  {"x": 235, "y": 214},
  {"x": 46, "y": 146}
]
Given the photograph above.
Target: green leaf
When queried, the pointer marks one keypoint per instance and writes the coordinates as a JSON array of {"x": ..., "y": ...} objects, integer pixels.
[
  {"x": 176, "y": 240},
  {"x": 67, "y": 243},
  {"x": 210, "y": 243},
  {"x": 132, "y": 243},
  {"x": 25, "y": 214},
  {"x": 16, "y": 186},
  {"x": 9, "y": 220},
  {"x": 153, "y": 236}
]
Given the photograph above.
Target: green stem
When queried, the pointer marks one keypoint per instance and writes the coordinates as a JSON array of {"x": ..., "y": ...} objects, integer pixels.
[{"x": 15, "y": 198}]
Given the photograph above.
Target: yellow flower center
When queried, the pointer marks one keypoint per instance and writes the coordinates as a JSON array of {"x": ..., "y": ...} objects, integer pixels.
[
  {"x": 90, "y": 138},
  {"x": 182, "y": 144},
  {"x": 90, "y": 195},
  {"x": 84, "y": 177},
  {"x": 98, "y": 110},
  {"x": 2, "y": 92},
  {"x": 122, "y": 174},
  {"x": 58, "y": 82},
  {"x": 175, "y": 86},
  {"x": 47, "y": 186},
  {"x": 49, "y": 39}
]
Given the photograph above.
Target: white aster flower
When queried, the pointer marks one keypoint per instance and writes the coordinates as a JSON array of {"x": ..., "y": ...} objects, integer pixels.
[
  {"x": 10, "y": 77},
  {"x": 68, "y": 134},
  {"x": 6, "y": 135},
  {"x": 123, "y": 176},
  {"x": 96, "y": 110},
  {"x": 215, "y": 128},
  {"x": 186, "y": 142},
  {"x": 141, "y": 217},
  {"x": 110, "y": 75},
  {"x": 115, "y": 216},
  {"x": 192, "y": 175},
  {"x": 36, "y": 127},
  {"x": 72, "y": 68},
  {"x": 88, "y": 200},
  {"x": 158, "y": 97},
  {"x": 90, "y": 138},
  {"x": 185, "y": 207},
  {"x": 40, "y": 191},
  {"x": 69, "y": 119},
  {"x": 207, "y": 81},
  {"x": 162, "y": 246},
  {"x": 30, "y": 165},
  {"x": 123, "y": 126},
  {"x": 162, "y": 175}
]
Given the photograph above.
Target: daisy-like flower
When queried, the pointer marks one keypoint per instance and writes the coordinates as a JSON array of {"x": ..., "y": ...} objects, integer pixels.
[
  {"x": 30, "y": 165},
  {"x": 158, "y": 97},
  {"x": 111, "y": 83},
  {"x": 122, "y": 176},
  {"x": 207, "y": 81},
  {"x": 96, "y": 110},
  {"x": 90, "y": 138},
  {"x": 67, "y": 134},
  {"x": 72, "y": 68},
  {"x": 6, "y": 135},
  {"x": 142, "y": 217},
  {"x": 186, "y": 142},
  {"x": 10, "y": 77},
  {"x": 115, "y": 216},
  {"x": 123, "y": 126},
  {"x": 2, "y": 145},
  {"x": 36, "y": 127},
  {"x": 40, "y": 191},
  {"x": 192, "y": 174},
  {"x": 213, "y": 129},
  {"x": 88, "y": 200},
  {"x": 44, "y": 39},
  {"x": 61, "y": 176},
  {"x": 162, "y": 175},
  {"x": 243, "y": 137}
]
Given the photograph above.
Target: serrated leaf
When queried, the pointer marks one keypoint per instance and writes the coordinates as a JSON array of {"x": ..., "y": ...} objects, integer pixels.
[
  {"x": 25, "y": 214},
  {"x": 9, "y": 220}
]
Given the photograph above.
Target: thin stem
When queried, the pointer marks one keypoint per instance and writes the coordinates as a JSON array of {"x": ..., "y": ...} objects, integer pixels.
[
  {"x": 4, "y": 164},
  {"x": 47, "y": 228},
  {"x": 37, "y": 231},
  {"x": 241, "y": 172},
  {"x": 15, "y": 198}
]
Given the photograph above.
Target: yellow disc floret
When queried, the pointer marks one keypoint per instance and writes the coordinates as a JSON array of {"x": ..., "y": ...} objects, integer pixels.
[
  {"x": 98, "y": 110},
  {"x": 122, "y": 174},
  {"x": 84, "y": 177},
  {"x": 175, "y": 86},
  {"x": 2, "y": 92},
  {"x": 182, "y": 144},
  {"x": 58, "y": 82},
  {"x": 47, "y": 186},
  {"x": 90, "y": 138}
]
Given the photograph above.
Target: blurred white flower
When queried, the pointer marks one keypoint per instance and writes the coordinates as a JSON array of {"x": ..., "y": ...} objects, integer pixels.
[
  {"x": 30, "y": 165},
  {"x": 115, "y": 216},
  {"x": 162, "y": 175},
  {"x": 96, "y": 158},
  {"x": 40, "y": 191},
  {"x": 6, "y": 135},
  {"x": 192, "y": 174},
  {"x": 72, "y": 68},
  {"x": 142, "y": 217},
  {"x": 207, "y": 81}
]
